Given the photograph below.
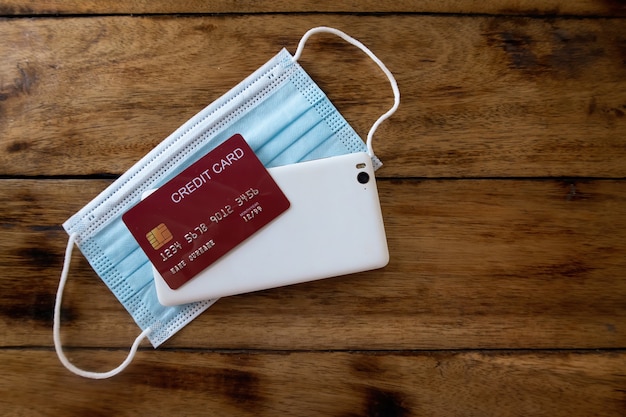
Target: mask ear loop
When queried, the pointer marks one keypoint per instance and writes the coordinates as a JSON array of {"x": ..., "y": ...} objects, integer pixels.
[
  {"x": 57, "y": 326},
  {"x": 392, "y": 80}
]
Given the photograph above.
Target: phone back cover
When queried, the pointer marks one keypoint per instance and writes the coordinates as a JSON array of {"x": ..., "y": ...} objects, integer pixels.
[{"x": 333, "y": 227}]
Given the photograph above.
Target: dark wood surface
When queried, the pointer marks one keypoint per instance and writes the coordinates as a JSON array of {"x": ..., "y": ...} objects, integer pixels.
[{"x": 503, "y": 194}]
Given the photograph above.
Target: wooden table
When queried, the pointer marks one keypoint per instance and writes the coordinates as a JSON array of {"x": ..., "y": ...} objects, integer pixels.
[{"x": 503, "y": 193}]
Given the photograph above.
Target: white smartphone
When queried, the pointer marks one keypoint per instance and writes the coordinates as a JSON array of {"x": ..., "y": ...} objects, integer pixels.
[{"x": 333, "y": 227}]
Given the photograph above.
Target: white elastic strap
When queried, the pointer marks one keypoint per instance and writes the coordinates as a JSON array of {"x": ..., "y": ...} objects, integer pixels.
[
  {"x": 392, "y": 80},
  {"x": 57, "y": 326}
]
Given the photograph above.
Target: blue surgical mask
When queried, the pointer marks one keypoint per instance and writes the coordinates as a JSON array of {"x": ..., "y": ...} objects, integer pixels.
[{"x": 283, "y": 115}]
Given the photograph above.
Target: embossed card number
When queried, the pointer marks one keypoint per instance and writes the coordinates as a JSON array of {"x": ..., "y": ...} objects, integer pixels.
[{"x": 205, "y": 211}]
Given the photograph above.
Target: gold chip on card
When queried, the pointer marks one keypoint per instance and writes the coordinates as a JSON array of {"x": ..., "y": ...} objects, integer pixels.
[{"x": 159, "y": 236}]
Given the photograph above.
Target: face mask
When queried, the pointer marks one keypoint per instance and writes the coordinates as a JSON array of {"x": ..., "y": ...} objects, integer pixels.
[{"x": 285, "y": 118}]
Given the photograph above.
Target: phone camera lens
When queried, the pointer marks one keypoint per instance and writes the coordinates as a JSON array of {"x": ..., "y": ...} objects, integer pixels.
[{"x": 363, "y": 177}]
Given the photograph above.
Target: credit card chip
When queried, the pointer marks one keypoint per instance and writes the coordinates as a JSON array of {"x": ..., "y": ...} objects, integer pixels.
[{"x": 159, "y": 236}]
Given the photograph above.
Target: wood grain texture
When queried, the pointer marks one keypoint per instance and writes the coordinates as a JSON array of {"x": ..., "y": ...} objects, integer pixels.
[
  {"x": 535, "y": 7},
  {"x": 503, "y": 194},
  {"x": 163, "y": 383},
  {"x": 474, "y": 264},
  {"x": 495, "y": 97}
]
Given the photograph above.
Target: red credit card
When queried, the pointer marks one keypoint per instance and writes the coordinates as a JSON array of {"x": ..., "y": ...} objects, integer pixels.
[{"x": 205, "y": 211}]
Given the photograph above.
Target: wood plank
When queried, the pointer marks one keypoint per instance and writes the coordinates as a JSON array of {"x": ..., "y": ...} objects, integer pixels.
[
  {"x": 503, "y": 193},
  {"x": 163, "y": 383},
  {"x": 474, "y": 264},
  {"x": 535, "y": 7},
  {"x": 495, "y": 97}
]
